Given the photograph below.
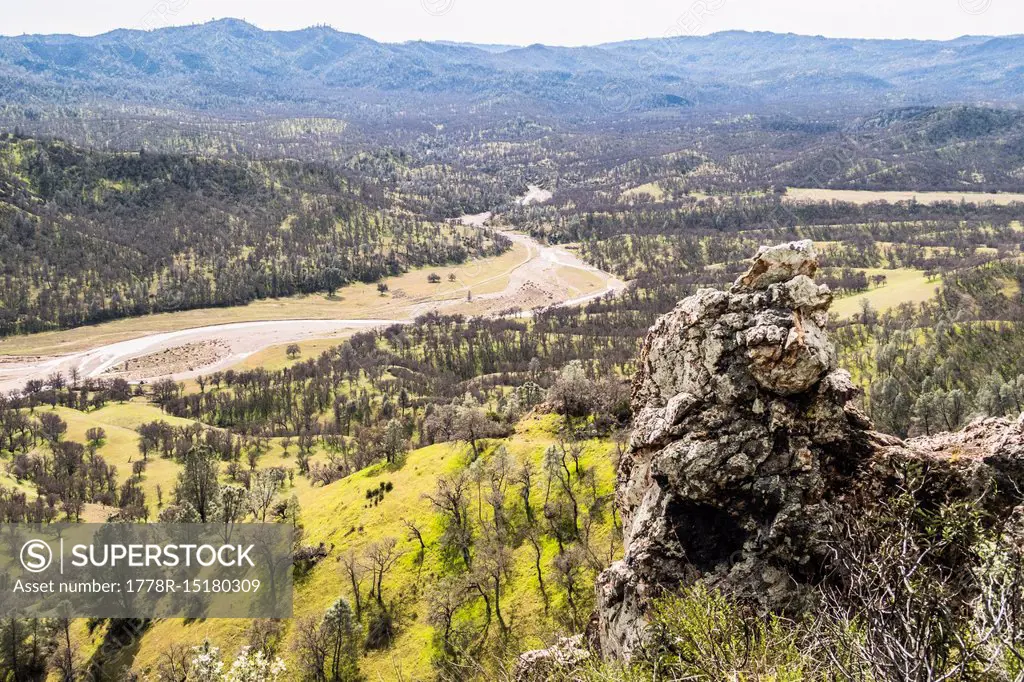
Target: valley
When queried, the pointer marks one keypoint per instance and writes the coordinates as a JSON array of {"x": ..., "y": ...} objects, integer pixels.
[
  {"x": 531, "y": 347},
  {"x": 535, "y": 275}
]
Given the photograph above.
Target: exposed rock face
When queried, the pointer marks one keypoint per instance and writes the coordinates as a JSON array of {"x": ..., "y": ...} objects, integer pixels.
[
  {"x": 745, "y": 438},
  {"x": 747, "y": 449},
  {"x": 741, "y": 432}
]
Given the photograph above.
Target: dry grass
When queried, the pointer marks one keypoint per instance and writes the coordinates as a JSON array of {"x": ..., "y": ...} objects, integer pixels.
[
  {"x": 580, "y": 282},
  {"x": 276, "y": 358},
  {"x": 408, "y": 292},
  {"x": 651, "y": 189},
  {"x": 1010, "y": 288},
  {"x": 867, "y": 196}
]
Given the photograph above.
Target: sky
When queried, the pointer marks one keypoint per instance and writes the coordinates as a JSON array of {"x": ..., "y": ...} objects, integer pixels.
[{"x": 522, "y": 22}]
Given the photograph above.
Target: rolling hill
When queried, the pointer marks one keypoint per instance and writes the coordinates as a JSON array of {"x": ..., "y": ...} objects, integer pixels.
[{"x": 229, "y": 65}]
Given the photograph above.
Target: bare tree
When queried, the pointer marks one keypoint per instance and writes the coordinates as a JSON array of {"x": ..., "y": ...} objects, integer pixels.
[
  {"x": 490, "y": 573},
  {"x": 265, "y": 635},
  {"x": 174, "y": 663},
  {"x": 570, "y": 570},
  {"x": 499, "y": 473},
  {"x": 524, "y": 477},
  {"x": 65, "y": 660},
  {"x": 380, "y": 558},
  {"x": 532, "y": 537},
  {"x": 416, "y": 534},
  {"x": 456, "y": 639},
  {"x": 328, "y": 649},
  {"x": 312, "y": 647},
  {"x": 354, "y": 571},
  {"x": 566, "y": 511},
  {"x": 451, "y": 498}
]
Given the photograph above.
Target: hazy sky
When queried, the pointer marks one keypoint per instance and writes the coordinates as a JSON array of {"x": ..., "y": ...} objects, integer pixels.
[{"x": 558, "y": 22}]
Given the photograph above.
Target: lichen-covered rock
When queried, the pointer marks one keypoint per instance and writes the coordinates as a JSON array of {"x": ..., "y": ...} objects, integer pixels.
[
  {"x": 748, "y": 445},
  {"x": 778, "y": 264},
  {"x": 983, "y": 463},
  {"x": 546, "y": 664},
  {"x": 741, "y": 430},
  {"x": 745, "y": 439}
]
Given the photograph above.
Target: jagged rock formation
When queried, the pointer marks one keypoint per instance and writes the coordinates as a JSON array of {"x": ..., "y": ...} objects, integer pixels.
[
  {"x": 747, "y": 444},
  {"x": 748, "y": 450},
  {"x": 741, "y": 432}
]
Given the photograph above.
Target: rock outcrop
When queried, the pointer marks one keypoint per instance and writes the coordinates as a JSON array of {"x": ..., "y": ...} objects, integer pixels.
[
  {"x": 553, "y": 663},
  {"x": 747, "y": 442}
]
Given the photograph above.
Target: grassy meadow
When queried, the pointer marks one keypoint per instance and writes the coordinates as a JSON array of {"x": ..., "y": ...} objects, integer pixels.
[{"x": 340, "y": 516}]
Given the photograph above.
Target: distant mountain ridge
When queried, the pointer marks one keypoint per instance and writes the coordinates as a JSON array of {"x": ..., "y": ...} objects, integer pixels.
[{"x": 230, "y": 65}]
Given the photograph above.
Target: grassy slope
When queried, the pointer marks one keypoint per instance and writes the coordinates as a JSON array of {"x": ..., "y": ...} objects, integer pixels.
[
  {"x": 903, "y": 285},
  {"x": 120, "y": 447},
  {"x": 338, "y": 515}
]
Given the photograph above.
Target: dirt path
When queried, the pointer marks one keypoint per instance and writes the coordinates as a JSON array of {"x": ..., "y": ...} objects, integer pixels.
[{"x": 548, "y": 275}]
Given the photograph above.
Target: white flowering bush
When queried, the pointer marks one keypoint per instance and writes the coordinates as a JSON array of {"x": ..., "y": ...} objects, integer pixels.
[
  {"x": 255, "y": 666},
  {"x": 205, "y": 664},
  {"x": 250, "y": 666}
]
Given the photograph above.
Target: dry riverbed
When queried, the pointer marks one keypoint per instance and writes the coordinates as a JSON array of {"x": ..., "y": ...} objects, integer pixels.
[{"x": 532, "y": 275}]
